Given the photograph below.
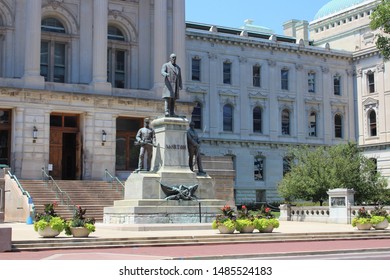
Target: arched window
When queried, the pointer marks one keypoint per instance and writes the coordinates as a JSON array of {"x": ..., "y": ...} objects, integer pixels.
[
  {"x": 372, "y": 123},
  {"x": 338, "y": 126},
  {"x": 286, "y": 122},
  {"x": 257, "y": 120},
  {"x": 116, "y": 58},
  {"x": 228, "y": 117},
  {"x": 53, "y": 64},
  {"x": 313, "y": 124},
  {"x": 196, "y": 115}
]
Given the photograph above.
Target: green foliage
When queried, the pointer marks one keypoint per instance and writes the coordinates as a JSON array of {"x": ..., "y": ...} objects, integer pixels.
[
  {"x": 263, "y": 223},
  {"x": 241, "y": 223},
  {"x": 380, "y": 19},
  {"x": 377, "y": 219},
  {"x": 79, "y": 220},
  {"x": 49, "y": 218},
  {"x": 230, "y": 224},
  {"x": 316, "y": 170},
  {"x": 361, "y": 221},
  {"x": 56, "y": 223}
]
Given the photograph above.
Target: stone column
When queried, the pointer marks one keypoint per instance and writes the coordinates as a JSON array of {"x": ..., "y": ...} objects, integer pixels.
[
  {"x": 179, "y": 33},
  {"x": 32, "y": 77},
  {"x": 160, "y": 40},
  {"x": 145, "y": 42},
  {"x": 99, "y": 48}
]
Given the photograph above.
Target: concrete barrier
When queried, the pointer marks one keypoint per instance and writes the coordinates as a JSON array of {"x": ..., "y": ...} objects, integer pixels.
[{"x": 5, "y": 239}]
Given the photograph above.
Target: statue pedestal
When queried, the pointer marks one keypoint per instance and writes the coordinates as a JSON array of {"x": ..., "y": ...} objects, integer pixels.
[{"x": 144, "y": 200}]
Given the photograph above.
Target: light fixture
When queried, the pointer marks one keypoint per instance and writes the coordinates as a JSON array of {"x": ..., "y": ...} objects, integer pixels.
[
  {"x": 35, "y": 134},
  {"x": 104, "y": 137}
]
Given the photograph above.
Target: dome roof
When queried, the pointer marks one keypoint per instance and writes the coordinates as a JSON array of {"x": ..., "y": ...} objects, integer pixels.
[{"x": 335, "y": 6}]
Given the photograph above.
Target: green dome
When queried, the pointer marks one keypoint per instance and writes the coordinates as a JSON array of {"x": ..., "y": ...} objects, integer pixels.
[{"x": 335, "y": 6}]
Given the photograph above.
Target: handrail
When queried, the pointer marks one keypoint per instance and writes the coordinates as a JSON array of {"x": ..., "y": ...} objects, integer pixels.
[
  {"x": 63, "y": 196},
  {"x": 116, "y": 179},
  {"x": 24, "y": 192}
]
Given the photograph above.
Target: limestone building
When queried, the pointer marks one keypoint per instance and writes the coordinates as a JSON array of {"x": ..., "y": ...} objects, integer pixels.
[
  {"x": 77, "y": 78},
  {"x": 345, "y": 25}
]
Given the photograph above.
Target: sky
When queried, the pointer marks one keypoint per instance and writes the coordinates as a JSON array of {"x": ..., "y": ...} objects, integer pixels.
[{"x": 268, "y": 13}]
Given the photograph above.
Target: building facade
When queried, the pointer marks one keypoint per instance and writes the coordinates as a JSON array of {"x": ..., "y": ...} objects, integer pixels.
[{"x": 77, "y": 78}]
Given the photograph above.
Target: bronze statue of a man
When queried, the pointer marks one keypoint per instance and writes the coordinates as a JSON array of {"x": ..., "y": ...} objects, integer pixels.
[
  {"x": 193, "y": 143},
  {"x": 146, "y": 138},
  {"x": 173, "y": 84}
]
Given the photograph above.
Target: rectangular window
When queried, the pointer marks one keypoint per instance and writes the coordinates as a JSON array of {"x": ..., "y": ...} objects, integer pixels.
[
  {"x": 371, "y": 82},
  {"x": 284, "y": 79},
  {"x": 311, "y": 82},
  {"x": 227, "y": 73},
  {"x": 195, "y": 69},
  {"x": 116, "y": 68},
  {"x": 337, "y": 85},
  {"x": 261, "y": 196},
  {"x": 53, "y": 62},
  {"x": 259, "y": 169},
  {"x": 256, "y": 76}
]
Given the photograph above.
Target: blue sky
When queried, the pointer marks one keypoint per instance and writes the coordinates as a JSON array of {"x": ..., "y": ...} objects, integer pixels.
[{"x": 268, "y": 13}]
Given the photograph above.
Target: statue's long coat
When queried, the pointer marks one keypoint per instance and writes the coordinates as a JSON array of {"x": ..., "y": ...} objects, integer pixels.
[{"x": 172, "y": 81}]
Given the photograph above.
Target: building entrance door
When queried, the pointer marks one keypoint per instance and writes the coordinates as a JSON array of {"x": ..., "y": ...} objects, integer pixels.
[
  {"x": 126, "y": 152},
  {"x": 5, "y": 137},
  {"x": 65, "y": 147}
]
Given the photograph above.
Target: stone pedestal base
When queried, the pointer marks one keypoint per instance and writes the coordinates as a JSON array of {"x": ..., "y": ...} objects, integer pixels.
[{"x": 156, "y": 211}]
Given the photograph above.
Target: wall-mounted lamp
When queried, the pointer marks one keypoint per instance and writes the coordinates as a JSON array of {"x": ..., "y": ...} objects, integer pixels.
[
  {"x": 35, "y": 134},
  {"x": 104, "y": 137}
]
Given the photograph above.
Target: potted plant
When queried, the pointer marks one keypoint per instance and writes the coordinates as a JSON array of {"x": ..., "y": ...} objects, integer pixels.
[
  {"x": 265, "y": 221},
  {"x": 79, "y": 225},
  {"x": 363, "y": 220},
  {"x": 225, "y": 222},
  {"x": 48, "y": 223},
  {"x": 244, "y": 221},
  {"x": 380, "y": 218}
]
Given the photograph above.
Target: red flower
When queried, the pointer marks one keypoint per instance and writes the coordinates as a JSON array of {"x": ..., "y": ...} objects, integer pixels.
[
  {"x": 243, "y": 207},
  {"x": 267, "y": 210}
]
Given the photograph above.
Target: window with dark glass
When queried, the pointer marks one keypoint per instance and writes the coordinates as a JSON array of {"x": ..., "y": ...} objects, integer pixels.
[
  {"x": 312, "y": 82},
  {"x": 228, "y": 117},
  {"x": 257, "y": 120},
  {"x": 5, "y": 136},
  {"x": 195, "y": 69},
  {"x": 284, "y": 79},
  {"x": 256, "y": 76},
  {"x": 337, "y": 85},
  {"x": 259, "y": 168},
  {"x": 286, "y": 122},
  {"x": 372, "y": 122},
  {"x": 196, "y": 115},
  {"x": 116, "y": 58},
  {"x": 53, "y": 52},
  {"x": 227, "y": 72},
  {"x": 338, "y": 126},
  {"x": 313, "y": 124},
  {"x": 371, "y": 82}
]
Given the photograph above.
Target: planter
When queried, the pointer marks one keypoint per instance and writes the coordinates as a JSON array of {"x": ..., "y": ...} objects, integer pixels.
[
  {"x": 367, "y": 226},
  {"x": 247, "y": 229},
  {"x": 79, "y": 231},
  {"x": 382, "y": 225},
  {"x": 268, "y": 229},
  {"x": 48, "y": 232},
  {"x": 225, "y": 230}
]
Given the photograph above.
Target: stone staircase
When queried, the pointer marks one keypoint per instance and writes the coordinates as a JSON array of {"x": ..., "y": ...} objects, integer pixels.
[
  {"x": 148, "y": 241},
  {"x": 91, "y": 195}
]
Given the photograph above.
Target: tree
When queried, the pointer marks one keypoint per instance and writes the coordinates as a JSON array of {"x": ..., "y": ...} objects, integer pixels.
[
  {"x": 380, "y": 19},
  {"x": 316, "y": 170}
]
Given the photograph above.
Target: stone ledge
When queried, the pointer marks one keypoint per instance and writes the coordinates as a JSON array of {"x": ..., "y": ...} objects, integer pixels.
[{"x": 5, "y": 239}]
